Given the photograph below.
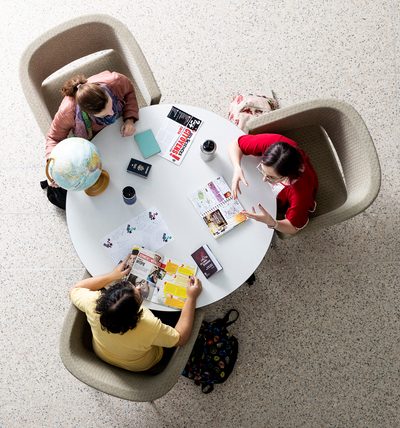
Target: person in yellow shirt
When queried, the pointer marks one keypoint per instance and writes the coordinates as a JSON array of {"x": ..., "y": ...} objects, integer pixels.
[{"x": 125, "y": 333}]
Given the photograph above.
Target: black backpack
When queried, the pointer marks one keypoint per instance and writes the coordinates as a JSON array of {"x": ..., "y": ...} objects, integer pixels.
[
  {"x": 214, "y": 354},
  {"x": 56, "y": 195}
]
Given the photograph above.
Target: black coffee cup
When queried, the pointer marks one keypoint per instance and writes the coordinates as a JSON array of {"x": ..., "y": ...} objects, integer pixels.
[{"x": 129, "y": 195}]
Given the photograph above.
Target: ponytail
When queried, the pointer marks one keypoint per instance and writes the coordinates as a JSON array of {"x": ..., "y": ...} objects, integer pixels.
[
  {"x": 70, "y": 87},
  {"x": 90, "y": 97}
]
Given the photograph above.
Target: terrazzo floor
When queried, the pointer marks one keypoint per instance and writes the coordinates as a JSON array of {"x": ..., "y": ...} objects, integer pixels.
[{"x": 319, "y": 330}]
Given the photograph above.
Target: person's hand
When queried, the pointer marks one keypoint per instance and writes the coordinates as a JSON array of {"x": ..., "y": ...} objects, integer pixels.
[
  {"x": 194, "y": 288},
  {"x": 52, "y": 183},
  {"x": 238, "y": 176},
  {"x": 122, "y": 269},
  {"x": 264, "y": 216},
  {"x": 128, "y": 128}
]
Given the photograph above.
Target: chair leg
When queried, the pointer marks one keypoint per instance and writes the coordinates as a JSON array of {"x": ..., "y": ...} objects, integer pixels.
[{"x": 251, "y": 280}]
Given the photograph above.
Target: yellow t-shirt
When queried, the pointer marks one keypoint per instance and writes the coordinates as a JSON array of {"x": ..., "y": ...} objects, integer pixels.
[{"x": 137, "y": 349}]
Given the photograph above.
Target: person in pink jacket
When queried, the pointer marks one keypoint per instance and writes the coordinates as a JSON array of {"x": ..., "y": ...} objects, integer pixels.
[{"x": 92, "y": 103}]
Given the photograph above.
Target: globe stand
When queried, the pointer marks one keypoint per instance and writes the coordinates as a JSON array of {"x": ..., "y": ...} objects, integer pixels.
[{"x": 100, "y": 185}]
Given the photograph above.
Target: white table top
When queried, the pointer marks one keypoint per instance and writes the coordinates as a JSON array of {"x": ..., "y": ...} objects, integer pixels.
[{"x": 167, "y": 187}]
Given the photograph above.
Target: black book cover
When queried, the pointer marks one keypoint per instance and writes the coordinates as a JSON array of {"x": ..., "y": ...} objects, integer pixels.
[
  {"x": 206, "y": 261},
  {"x": 139, "y": 167}
]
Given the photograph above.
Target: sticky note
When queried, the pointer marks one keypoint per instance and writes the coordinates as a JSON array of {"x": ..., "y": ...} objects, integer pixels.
[
  {"x": 170, "y": 301},
  {"x": 175, "y": 290},
  {"x": 171, "y": 268}
]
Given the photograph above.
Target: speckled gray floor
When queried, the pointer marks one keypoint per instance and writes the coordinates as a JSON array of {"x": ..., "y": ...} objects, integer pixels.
[{"x": 319, "y": 331}]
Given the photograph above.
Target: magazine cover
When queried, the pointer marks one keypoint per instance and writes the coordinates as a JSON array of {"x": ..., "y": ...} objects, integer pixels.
[
  {"x": 161, "y": 280},
  {"x": 177, "y": 134},
  {"x": 219, "y": 210}
]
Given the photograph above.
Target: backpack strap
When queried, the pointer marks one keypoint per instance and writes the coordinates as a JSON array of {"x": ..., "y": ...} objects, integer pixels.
[
  {"x": 226, "y": 320},
  {"x": 88, "y": 124}
]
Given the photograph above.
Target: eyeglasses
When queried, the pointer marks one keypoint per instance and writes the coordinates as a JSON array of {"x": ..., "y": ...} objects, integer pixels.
[{"x": 268, "y": 178}]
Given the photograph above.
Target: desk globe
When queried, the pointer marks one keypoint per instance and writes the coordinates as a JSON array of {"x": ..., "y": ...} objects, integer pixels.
[{"x": 75, "y": 164}]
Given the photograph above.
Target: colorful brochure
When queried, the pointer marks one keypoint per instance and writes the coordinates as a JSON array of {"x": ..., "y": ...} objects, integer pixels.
[
  {"x": 161, "y": 280},
  {"x": 219, "y": 210}
]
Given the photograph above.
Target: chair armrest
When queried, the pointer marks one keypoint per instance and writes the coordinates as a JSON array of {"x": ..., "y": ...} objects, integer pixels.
[
  {"x": 351, "y": 141},
  {"x": 135, "y": 60}
]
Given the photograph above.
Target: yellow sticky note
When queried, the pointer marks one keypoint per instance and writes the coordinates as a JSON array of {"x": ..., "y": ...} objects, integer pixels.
[
  {"x": 170, "y": 288},
  {"x": 175, "y": 303},
  {"x": 186, "y": 270},
  {"x": 171, "y": 268}
]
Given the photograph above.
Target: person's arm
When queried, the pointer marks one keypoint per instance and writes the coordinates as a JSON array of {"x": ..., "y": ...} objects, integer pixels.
[
  {"x": 123, "y": 88},
  {"x": 62, "y": 124},
  {"x": 98, "y": 282},
  {"x": 131, "y": 108},
  {"x": 283, "y": 226},
  {"x": 236, "y": 154},
  {"x": 127, "y": 92},
  {"x": 185, "y": 322}
]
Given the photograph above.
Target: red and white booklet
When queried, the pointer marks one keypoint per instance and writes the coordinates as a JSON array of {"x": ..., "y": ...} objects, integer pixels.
[{"x": 176, "y": 135}]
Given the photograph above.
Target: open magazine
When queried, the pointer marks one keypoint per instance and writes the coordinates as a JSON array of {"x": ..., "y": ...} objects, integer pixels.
[
  {"x": 161, "y": 280},
  {"x": 215, "y": 204}
]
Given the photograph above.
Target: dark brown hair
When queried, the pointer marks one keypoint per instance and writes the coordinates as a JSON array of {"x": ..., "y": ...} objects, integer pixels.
[
  {"x": 285, "y": 159},
  {"x": 119, "y": 308},
  {"x": 90, "y": 97}
]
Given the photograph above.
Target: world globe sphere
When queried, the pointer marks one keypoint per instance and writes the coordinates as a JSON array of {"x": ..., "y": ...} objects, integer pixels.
[{"x": 75, "y": 164}]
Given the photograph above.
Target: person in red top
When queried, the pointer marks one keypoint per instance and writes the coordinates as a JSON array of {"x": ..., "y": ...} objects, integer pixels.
[{"x": 289, "y": 172}]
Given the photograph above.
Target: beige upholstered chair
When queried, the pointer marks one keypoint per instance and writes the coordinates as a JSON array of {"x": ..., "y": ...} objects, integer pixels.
[
  {"x": 78, "y": 357},
  {"x": 88, "y": 44},
  {"x": 341, "y": 150}
]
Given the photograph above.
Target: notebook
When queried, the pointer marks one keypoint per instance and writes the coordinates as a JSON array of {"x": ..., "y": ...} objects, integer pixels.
[
  {"x": 215, "y": 204},
  {"x": 147, "y": 143}
]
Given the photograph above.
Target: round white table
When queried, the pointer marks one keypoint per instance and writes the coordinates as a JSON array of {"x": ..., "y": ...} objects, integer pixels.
[{"x": 167, "y": 187}]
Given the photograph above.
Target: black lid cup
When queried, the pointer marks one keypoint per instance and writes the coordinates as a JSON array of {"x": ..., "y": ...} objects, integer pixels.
[
  {"x": 208, "y": 145},
  {"x": 129, "y": 195}
]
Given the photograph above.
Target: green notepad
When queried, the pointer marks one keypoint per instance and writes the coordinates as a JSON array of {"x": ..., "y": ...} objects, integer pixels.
[{"x": 147, "y": 143}]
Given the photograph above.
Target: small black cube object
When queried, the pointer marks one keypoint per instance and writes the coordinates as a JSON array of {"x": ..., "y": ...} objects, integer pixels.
[{"x": 139, "y": 167}]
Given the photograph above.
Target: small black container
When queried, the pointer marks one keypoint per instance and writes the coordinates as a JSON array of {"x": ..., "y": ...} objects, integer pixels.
[{"x": 129, "y": 195}]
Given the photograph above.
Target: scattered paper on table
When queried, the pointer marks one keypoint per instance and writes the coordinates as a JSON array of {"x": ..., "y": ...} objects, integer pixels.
[{"x": 147, "y": 230}]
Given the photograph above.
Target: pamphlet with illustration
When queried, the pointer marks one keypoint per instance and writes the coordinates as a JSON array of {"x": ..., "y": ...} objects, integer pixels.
[
  {"x": 215, "y": 204},
  {"x": 148, "y": 229}
]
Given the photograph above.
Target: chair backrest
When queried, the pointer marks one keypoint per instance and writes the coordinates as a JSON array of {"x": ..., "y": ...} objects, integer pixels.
[
  {"x": 78, "y": 357},
  {"x": 341, "y": 150},
  {"x": 113, "y": 46}
]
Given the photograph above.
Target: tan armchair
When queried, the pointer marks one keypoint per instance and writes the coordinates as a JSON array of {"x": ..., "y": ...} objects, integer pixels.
[
  {"x": 341, "y": 150},
  {"x": 78, "y": 357},
  {"x": 88, "y": 44}
]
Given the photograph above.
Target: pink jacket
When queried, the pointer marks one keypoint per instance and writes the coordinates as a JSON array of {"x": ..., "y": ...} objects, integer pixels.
[{"x": 64, "y": 120}]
